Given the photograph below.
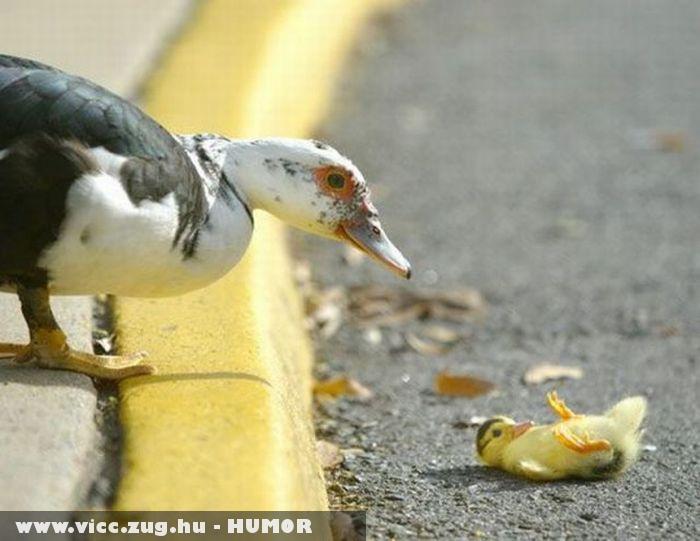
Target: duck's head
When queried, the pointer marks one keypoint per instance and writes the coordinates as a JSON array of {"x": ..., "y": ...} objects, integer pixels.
[
  {"x": 494, "y": 435},
  {"x": 313, "y": 187}
]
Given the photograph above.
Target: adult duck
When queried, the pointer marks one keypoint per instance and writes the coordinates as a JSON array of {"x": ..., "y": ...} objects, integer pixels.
[{"x": 97, "y": 197}]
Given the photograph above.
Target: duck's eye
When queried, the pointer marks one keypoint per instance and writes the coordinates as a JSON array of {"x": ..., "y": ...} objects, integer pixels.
[
  {"x": 496, "y": 432},
  {"x": 336, "y": 181}
]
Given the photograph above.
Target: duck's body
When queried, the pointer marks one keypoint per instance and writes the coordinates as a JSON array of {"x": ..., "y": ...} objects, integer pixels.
[
  {"x": 581, "y": 446},
  {"x": 108, "y": 244},
  {"x": 97, "y": 197}
]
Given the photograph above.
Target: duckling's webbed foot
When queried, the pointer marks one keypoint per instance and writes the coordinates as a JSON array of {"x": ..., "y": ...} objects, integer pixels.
[
  {"x": 559, "y": 407},
  {"x": 583, "y": 444},
  {"x": 49, "y": 347}
]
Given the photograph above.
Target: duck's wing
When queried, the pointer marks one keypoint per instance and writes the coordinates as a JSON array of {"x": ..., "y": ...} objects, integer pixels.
[{"x": 39, "y": 99}]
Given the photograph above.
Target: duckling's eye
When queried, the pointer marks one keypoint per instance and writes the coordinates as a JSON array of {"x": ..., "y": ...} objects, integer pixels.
[
  {"x": 496, "y": 432},
  {"x": 336, "y": 181}
]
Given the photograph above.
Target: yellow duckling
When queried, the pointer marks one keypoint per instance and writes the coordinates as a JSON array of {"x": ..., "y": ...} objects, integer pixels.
[{"x": 581, "y": 446}]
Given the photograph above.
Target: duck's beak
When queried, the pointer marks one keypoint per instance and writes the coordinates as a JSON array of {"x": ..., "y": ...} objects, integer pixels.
[
  {"x": 365, "y": 233},
  {"x": 521, "y": 428}
]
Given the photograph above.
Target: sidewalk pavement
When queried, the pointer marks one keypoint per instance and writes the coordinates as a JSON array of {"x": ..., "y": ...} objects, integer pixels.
[
  {"x": 48, "y": 434},
  {"x": 519, "y": 148}
]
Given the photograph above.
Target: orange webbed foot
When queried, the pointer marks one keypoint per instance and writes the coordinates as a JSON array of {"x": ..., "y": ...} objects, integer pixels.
[
  {"x": 560, "y": 408},
  {"x": 583, "y": 444}
]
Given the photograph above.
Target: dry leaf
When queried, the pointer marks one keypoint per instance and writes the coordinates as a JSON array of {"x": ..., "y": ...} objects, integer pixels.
[
  {"x": 667, "y": 331},
  {"x": 670, "y": 141},
  {"x": 397, "y": 316},
  {"x": 325, "y": 311},
  {"x": 382, "y": 306},
  {"x": 433, "y": 340},
  {"x": 663, "y": 141},
  {"x": 329, "y": 454},
  {"x": 425, "y": 347},
  {"x": 327, "y": 319},
  {"x": 461, "y": 385},
  {"x": 342, "y": 386},
  {"x": 548, "y": 372},
  {"x": 465, "y": 299},
  {"x": 442, "y": 334}
]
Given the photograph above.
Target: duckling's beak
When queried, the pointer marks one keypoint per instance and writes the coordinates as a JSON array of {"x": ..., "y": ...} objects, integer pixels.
[
  {"x": 521, "y": 428},
  {"x": 365, "y": 232}
]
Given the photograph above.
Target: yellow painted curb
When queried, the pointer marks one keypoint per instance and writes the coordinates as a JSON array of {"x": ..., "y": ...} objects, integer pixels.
[{"x": 226, "y": 424}]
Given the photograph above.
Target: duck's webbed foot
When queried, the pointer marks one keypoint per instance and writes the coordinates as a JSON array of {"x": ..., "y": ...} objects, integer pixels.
[
  {"x": 16, "y": 352},
  {"x": 99, "y": 366},
  {"x": 56, "y": 354},
  {"x": 49, "y": 347},
  {"x": 583, "y": 445},
  {"x": 559, "y": 407}
]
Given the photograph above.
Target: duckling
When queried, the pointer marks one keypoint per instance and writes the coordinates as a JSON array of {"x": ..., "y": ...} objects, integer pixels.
[{"x": 576, "y": 446}]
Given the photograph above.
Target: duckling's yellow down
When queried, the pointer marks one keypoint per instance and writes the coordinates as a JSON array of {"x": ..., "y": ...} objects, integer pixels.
[{"x": 582, "y": 446}]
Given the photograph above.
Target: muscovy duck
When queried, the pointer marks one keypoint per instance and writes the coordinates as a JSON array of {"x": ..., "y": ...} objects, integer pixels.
[{"x": 96, "y": 197}]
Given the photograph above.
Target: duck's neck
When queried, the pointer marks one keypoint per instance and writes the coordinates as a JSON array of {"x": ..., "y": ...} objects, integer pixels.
[
  {"x": 250, "y": 168},
  {"x": 232, "y": 168}
]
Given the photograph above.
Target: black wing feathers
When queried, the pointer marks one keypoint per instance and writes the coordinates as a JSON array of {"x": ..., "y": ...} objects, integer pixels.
[
  {"x": 35, "y": 176},
  {"x": 35, "y": 98}
]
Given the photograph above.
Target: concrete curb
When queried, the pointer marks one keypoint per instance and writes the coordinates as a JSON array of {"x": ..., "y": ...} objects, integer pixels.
[{"x": 226, "y": 424}]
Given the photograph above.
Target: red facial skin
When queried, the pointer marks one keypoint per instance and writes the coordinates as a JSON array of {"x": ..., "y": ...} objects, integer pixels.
[{"x": 345, "y": 193}]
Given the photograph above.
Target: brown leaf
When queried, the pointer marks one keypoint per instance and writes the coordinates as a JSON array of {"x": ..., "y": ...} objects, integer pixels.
[
  {"x": 382, "y": 306},
  {"x": 461, "y": 385},
  {"x": 397, "y": 316},
  {"x": 658, "y": 140},
  {"x": 342, "y": 386},
  {"x": 329, "y": 454},
  {"x": 670, "y": 141},
  {"x": 667, "y": 331},
  {"x": 465, "y": 299},
  {"x": 548, "y": 372}
]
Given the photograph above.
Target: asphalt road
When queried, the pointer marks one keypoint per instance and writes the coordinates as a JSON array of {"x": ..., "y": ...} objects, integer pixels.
[{"x": 513, "y": 147}]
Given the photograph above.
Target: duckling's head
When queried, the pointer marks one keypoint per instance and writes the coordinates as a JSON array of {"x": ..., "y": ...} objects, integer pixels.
[
  {"x": 310, "y": 185},
  {"x": 494, "y": 435}
]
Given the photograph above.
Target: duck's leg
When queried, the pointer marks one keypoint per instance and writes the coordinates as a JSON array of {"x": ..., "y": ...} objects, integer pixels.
[
  {"x": 581, "y": 445},
  {"x": 559, "y": 407},
  {"x": 49, "y": 347}
]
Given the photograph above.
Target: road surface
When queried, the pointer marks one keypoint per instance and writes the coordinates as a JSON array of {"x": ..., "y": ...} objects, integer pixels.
[{"x": 546, "y": 153}]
